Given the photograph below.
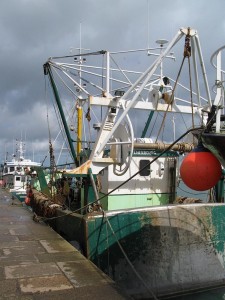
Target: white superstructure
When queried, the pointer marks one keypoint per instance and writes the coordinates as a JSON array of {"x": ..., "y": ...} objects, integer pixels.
[{"x": 18, "y": 171}]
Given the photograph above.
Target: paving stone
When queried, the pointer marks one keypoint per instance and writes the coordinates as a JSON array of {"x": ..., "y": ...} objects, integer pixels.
[
  {"x": 83, "y": 273},
  {"x": 44, "y": 284},
  {"x": 17, "y": 297},
  {"x": 36, "y": 263},
  {"x": 22, "y": 246},
  {"x": 4, "y": 230},
  {"x": 10, "y": 260},
  {"x": 31, "y": 270},
  {"x": 2, "y": 273},
  {"x": 8, "y": 238},
  {"x": 42, "y": 228},
  {"x": 20, "y": 230},
  {"x": 59, "y": 257},
  {"x": 33, "y": 236},
  {"x": 109, "y": 292},
  {"x": 8, "y": 288},
  {"x": 60, "y": 245}
]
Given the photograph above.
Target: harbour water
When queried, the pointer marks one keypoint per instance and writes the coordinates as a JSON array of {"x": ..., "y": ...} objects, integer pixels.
[{"x": 213, "y": 294}]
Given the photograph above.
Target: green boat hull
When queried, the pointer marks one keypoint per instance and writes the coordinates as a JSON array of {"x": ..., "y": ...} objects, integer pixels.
[
  {"x": 169, "y": 249},
  {"x": 19, "y": 195}
]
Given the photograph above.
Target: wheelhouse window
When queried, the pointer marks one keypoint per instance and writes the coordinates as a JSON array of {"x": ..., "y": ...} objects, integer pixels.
[
  {"x": 142, "y": 164},
  {"x": 11, "y": 169}
]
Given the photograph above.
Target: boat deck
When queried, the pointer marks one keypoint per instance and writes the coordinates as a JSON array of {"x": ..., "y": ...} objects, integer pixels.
[{"x": 37, "y": 263}]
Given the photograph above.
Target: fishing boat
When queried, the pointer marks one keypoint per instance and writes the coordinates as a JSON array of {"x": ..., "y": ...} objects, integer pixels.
[
  {"x": 17, "y": 174},
  {"x": 119, "y": 201}
]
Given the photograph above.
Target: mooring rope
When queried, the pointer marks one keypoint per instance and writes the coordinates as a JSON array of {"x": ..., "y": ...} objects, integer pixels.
[{"x": 128, "y": 260}]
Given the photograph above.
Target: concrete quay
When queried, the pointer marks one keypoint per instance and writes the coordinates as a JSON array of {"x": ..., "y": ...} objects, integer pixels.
[{"x": 36, "y": 263}]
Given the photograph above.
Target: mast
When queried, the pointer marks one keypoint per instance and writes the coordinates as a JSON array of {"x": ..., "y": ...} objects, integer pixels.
[
  {"x": 79, "y": 128},
  {"x": 139, "y": 92},
  {"x": 161, "y": 42},
  {"x": 147, "y": 124},
  {"x": 79, "y": 107},
  {"x": 48, "y": 71}
]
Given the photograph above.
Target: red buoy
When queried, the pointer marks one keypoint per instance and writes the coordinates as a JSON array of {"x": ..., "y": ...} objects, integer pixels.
[
  {"x": 200, "y": 169},
  {"x": 27, "y": 201}
]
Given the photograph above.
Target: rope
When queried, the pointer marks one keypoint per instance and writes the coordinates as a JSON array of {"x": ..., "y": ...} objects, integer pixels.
[
  {"x": 172, "y": 97},
  {"x": 192, "y": 107},
  {"x": 135, "y": 174},
  {"x": 128, "y": 260},
  {"x": 51, "y": 154},
  {"x": 187, "y": 53}
]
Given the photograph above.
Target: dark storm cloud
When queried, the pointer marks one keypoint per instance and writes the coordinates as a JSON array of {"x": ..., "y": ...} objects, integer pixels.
[{"x": 33, "y": 30}]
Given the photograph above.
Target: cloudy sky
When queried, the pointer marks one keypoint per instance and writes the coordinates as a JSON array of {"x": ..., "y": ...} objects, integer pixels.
[{"x": 33, "y": 30}]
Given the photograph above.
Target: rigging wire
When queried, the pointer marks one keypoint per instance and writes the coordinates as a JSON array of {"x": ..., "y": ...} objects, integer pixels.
[
  {"x": 103, "y": 58},
  {"x": 152, "y": 294},
  {"x": 162, "y": 122},
  {"x": 154, "y": 124},
  {"x": 59, "y": 120},
  {"x": 80, "y": 54},
  {"x": 51, "y": 152},
  {"x": 63, "y": 81},
  {"x": 61, "y": 127},
  {"x": 70, "y": 117},
  {"x": 127, "y": 180},
  {"x": 171, "y": 97},
  {"x": 187, "y": 53},
  {"x": 192, "y": 106}
]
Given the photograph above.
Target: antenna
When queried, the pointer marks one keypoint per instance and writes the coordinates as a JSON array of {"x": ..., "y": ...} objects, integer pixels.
[
  {"x": 80, "y": 36},
  {"x": 148, "y": 31},
  {"x": 161, "y": 42},
  {"x": 79, "y": 60}
]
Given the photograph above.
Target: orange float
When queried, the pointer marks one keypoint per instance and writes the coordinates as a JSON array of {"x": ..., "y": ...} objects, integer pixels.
[
  {"x": 27, "y": 201},
  {"x": 200, "y": 169}
]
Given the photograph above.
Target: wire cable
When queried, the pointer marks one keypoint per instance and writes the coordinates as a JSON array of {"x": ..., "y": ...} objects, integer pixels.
[
  {"x": 124, "y": 182},
  {"x": 128, "y": 260}
]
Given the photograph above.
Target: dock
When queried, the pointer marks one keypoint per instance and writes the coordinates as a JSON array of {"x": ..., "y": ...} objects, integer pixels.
[{"x": 37, "y": 263}]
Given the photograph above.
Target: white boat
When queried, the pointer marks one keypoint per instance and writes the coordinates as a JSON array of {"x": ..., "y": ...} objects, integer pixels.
[{"x": 17, "y": 173}]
